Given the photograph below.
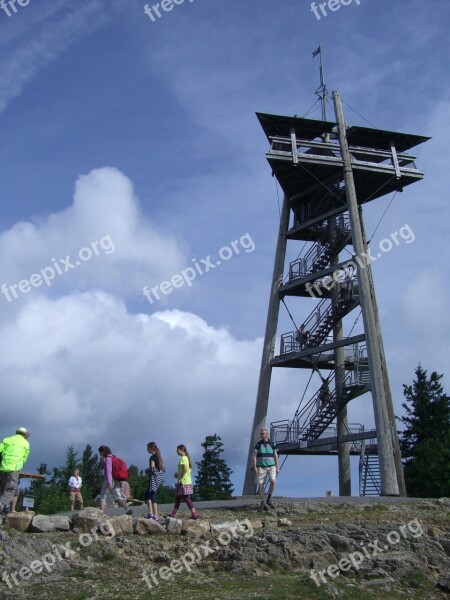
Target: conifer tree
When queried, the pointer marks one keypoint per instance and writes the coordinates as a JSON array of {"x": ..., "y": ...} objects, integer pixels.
[
  {"x": 213, "y": 476},
  {"x": 91, "y": 472},
  {"x": 61, "y": 475},
  {"x": 425, "y": 441}
]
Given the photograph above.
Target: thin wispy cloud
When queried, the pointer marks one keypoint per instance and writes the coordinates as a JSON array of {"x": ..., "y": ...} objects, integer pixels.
[{"x": 57, "y": 31}]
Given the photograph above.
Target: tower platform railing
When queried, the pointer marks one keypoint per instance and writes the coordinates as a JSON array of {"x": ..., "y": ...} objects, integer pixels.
[
  {"x": 321, "y": 321},
  {"x": 282, "y": 432},
  {"x": 329, "y": 153},
  {"x": 318, "y": 256},
  {"x": 321, "y": 409}
]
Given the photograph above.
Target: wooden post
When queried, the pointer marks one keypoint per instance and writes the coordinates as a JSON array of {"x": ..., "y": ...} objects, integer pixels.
[
  {"x": 387, "y": 386},
  {"x": 388, "y": 475},
  {"x": 262, "y": 399}
]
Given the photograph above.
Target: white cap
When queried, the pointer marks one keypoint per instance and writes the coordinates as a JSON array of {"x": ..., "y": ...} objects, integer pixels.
[{"x": 23, "y": 431}]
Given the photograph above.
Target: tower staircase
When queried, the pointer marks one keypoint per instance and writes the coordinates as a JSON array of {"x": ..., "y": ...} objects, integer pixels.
[{"x": 369, "y": 471}]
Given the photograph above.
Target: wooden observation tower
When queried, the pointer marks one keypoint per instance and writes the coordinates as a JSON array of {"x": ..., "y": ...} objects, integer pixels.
[{"x": 327, "y": 172}]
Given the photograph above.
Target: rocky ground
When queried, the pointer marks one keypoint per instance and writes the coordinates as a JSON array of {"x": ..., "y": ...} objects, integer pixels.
[{"x": 333, "y": 548}]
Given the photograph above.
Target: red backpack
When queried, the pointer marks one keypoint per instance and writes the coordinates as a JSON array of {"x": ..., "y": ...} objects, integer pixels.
[{"x": 119, "y": 469}]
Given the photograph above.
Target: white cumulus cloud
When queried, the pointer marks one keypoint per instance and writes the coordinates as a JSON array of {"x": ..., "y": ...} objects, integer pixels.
[{"x": 103, "y": 230}]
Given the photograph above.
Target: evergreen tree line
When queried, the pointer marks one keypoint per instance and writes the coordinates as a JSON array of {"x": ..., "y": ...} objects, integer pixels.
[
  {"x": 425, "y": 441},
  {"x": 51, "y": 495},
  {"x": 424, "y": 444}
]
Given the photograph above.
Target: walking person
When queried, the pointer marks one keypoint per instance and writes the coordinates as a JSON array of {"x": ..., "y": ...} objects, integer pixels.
[
  {"x": 75, "y": 483},
  {"x": 302, "y": 336},
  {"x": 14, "y": 451},
  {"x": 265, "y": 464},
  {"x": 184, "y": 489},
  {"x": 110, "y": 484},
  {"x": 324, "y": 395},
  {"x": 155, "y": 474}
]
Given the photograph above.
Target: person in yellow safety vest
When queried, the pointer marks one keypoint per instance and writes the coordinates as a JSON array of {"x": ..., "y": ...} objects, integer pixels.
[{"x": 14, "y": 451}]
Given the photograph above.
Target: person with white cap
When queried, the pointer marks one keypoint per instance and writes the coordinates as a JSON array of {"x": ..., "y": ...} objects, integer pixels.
[{"x": 14, "y": 453}]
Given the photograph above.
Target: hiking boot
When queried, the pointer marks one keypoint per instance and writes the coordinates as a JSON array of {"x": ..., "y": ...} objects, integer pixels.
[
  {"x": 5, "y": 510},
  {"x": 194, "y": 517},
  {"x": 263, "y": 507},
  {"x": 269, "y": 503},
  {"x": 155, "y": 518},
  {"x": 149, "y": 516},
  {"x": 129, "y": 511}
]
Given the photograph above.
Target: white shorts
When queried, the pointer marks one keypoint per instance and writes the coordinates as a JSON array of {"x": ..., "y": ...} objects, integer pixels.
[
  {"x": 117, "y": 495},
  {"x": 263, "y": 472}
]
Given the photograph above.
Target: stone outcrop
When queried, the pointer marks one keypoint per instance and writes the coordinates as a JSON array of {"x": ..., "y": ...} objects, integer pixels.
[
  {"x": 20, "y": 521},
  {"x": 149, "y": 527},
  {"x": 122, "y": 525},
  {"x": 47, "y": 524},
  {"x": 348, "y": 550},
  {"x": 195, "y": 528},
  {"x": 173, "y": 525},
  {"x": 88, "y": 519}
]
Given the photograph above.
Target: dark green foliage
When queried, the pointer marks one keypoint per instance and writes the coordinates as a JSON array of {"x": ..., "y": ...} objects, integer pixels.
[
  {"x": 48, "y": 496},
  {"x": 425, "y": 441},
  {"x": 138, "y": 481},
  {"x": 62, "y": 474},
  {"x": 51, "y": 495},
  {"x": 91, "y": 472},
  {"x": 213, "y": 476},
  {"x": 166, "y": 494}
]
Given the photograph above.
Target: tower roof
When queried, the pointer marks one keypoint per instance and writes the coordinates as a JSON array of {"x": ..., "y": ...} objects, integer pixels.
[
  {"x": 381, "y": 138},
  {"x": 308, "y": 129}
]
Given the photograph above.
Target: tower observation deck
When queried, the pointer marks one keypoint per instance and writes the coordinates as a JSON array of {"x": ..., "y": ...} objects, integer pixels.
[{"x": 327, "y": 172}]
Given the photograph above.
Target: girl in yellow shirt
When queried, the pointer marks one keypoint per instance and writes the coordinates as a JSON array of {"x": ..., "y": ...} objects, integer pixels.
[{"x": 184, "y": 488}]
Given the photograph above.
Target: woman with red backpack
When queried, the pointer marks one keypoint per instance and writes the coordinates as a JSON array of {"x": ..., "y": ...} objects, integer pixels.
[{"x": 115, "y": 472}]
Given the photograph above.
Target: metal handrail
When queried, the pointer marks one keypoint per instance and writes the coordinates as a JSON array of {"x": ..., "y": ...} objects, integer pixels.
[
  {"x": 301, "y": 267},
  {"x": 290, "y": 341}
]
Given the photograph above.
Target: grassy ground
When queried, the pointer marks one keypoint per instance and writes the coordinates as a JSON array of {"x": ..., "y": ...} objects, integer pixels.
[{"x": 105, "y": 586}]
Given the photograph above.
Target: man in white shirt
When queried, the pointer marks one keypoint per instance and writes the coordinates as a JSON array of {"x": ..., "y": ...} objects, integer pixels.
[{"x": 75, "y": 489}]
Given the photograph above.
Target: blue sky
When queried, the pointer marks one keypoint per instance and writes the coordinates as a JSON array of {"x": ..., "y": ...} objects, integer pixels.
[{"x": 114, "y": 127}]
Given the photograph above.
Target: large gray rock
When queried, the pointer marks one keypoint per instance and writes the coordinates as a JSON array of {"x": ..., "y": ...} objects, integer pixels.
[
  {"x": 270, "y": 523},
  {"x": 20, "y": 521},
  {"x": 256, "y": 524},
  {"x": 339, "y": 542},
  {"x": 174, "y": 525},
  {"x": 195, "y": 528},
  {"x": 444, "y": 584},
  {"x": 49, "y": 523},
  {"x": 122, "y": 525},
  {"x": 230, "y": 526},
  {"x": 445, "y": 543},
  {"x": 148, "y": 527},
  {"x": 88, "y": 519}
]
